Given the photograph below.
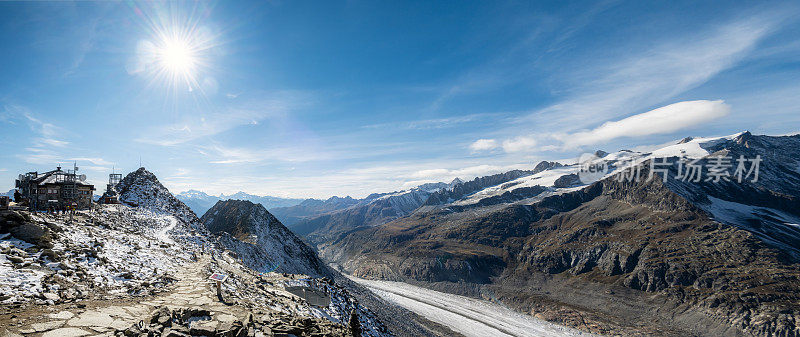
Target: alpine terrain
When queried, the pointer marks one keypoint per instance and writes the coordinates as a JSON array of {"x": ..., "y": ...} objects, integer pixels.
[
  {"x": 658, "y": 254},
  {"x": 142, "y": 268}
]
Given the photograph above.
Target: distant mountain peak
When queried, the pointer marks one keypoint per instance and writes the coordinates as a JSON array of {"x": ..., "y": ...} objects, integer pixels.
[
  {"x": 743, "y": 138},
  {"x": 546, "y": 165}
]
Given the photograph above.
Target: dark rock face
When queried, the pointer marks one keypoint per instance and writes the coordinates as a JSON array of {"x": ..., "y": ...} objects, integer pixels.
[
  {"x": 260, "y": 240},
  {"x": 21, "y": 227},
  {"x": 567, "y": 180},
  {"x": 461, "y": 190}
]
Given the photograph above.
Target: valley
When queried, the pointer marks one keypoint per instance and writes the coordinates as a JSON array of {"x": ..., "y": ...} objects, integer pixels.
[
  {"x": 614, "y": 256},
  {"x": 467, "y": 316}
]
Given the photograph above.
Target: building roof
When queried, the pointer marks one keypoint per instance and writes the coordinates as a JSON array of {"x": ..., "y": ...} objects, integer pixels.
[{"x": 52, "y": 178}]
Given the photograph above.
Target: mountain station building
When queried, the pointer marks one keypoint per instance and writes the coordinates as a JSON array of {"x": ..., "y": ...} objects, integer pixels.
[{"x": 55, "y": 190}]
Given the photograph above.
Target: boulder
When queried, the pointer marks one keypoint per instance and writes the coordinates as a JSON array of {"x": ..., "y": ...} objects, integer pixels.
[
  {"x": 11, "y": 219},
  {"x": 161, "y": 316},
  {"x": 15, "y": 259},
  {"x": 33, "y": 233}
]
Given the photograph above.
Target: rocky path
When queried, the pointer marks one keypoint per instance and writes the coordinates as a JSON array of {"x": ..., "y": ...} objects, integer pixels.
[{"x": 193, "y": 290}]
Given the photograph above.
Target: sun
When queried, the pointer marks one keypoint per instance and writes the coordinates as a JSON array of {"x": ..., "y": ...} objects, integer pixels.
[
  {"x": 176, "y": 57},
  {"x": 178, "y": 48}
]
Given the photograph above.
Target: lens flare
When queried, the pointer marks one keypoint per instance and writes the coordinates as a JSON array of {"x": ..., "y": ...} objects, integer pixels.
[{"x": 176, "y": 55}]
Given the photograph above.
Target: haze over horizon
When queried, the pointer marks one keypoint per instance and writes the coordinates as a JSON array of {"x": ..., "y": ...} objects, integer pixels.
[{"x": 357, "y": 97}]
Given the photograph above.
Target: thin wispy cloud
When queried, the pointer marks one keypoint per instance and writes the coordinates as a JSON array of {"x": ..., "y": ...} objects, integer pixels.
[
  {"x": 220, "y": 154},
  {"x": 43, "y": 146},
  {"x": 603, "y": 92},
  {"x": 52, "y": 142},
  {"x": 431, "y": 124},
  {"x": 201, "y": 125},
  {"x": 95, "y": 161},
  {"x": 656, "y": 74}
]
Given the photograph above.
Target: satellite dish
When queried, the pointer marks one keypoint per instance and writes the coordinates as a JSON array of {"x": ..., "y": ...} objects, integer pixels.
[{"x": 82, "y": 177}]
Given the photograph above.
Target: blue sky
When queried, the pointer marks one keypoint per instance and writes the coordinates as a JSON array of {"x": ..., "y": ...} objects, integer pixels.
[{"x": 313, "y": 99}]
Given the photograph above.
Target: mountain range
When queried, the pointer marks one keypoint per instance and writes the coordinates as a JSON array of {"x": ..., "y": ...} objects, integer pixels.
[
  {"x": 654, "y": 255},
  {"x": 200, "y": 202}
]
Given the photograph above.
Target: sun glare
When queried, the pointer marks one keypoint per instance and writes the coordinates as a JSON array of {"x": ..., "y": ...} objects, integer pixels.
[
  {"x": 176, "y": 57},
  {"x": 177, "y": 54}
]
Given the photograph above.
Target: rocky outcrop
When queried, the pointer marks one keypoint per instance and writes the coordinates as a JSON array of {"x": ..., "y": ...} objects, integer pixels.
[
  {"x": 21, "y": 226},
  {"x": 545, "y": 165},
  {"x": 260, "y": 240}
]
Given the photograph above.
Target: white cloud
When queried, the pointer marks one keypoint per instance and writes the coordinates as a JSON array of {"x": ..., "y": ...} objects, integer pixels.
[
  {"x": 39, "y": 156},
  {"x": 95, "y": 168},
  {"x": 519, "y": 144},
  {"x": 484, "y": 145},
  {"x": 663, "y": 120},
  {"x": 430, "y": 173}
]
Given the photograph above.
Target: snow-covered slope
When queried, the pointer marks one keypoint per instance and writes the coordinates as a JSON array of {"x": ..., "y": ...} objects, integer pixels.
[
  {"x": 548, "y": 176},
  {"x": 142, "y": 189},
  {"x": 260, "y": 240}
]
